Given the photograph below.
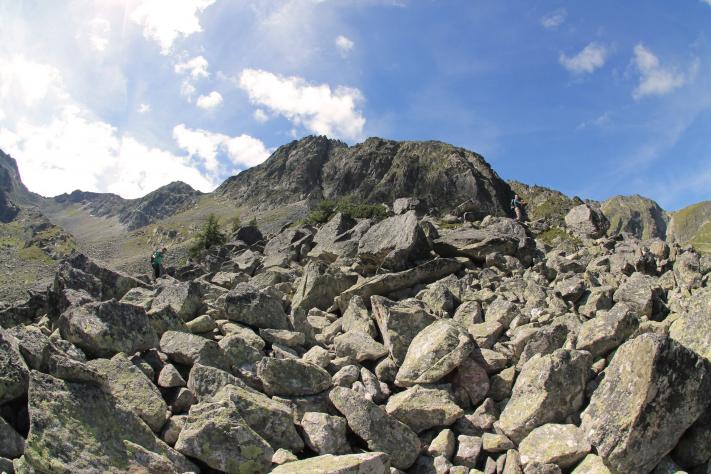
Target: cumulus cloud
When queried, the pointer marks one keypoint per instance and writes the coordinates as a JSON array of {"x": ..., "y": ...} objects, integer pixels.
[
  {"x": 318, "y": 108},
  {"x": 99, "y": 31},
  {"x": 195, "y": 67},
  {"x": 165, "y": 20},
  {"x": 653, "y": 78},
  {"x": 260, "y": 116},
  {"x": 243, "y": 151},
  {"x": 144, "y": 108},
  {"x": 210, "y": 101},
  {"x": 74, "y": 151},
  {"x": 592, "y": 57},
  {"x": 344, "y": 45},
  {"x": 554, "y": 19},
  {"x": 24, "y": 82}
]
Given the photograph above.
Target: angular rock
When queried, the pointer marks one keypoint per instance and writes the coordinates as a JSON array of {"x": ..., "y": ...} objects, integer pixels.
[
  {"x": 169, "y": 377},
  {"x": 132, "y": 389},
  {"x": 399, "y": 322},
  {"x": 12, "y": 445},
  {"x": 181, "y": 297},
  {"x": 423, "y": 408},
  {"x": 549, "y": 389},
  {"x": 607, "y": 331},
  {"x": 217, "y": 435},
  {"x": 239, "y": 353},
  {"x": 694, "y": 447},
  {"x": 476, "y": 243},
  {"x": 113, "y": 284},
  {"x": 693, "y": 331},
  {"x": 468, "y": 313},
  {"x": 468, "y": 450},
  {"x": 393, "y": 243},
  {"x": 437, "y": 350},
  {"x": 443, "y": 444},
  {"x": 642, "y": 293},
  {"x": 654, "y": 389},
  {"x": 586, "y": 221},
  {"x": 381, "y": 431},
  {"x": 319, "y": 285},
  {"x": 189, "y": 349},
  {"x": 325, "y": 434},
  {"x": 357, "y": 318},
  {"x": 474, "y": 379},
  {"x": 292, "y": 377},
  {"x": 364, "y": 463},
  {"x": 104, "y": 329},
  {"x": 563, "y": 445},
  {"x": 14, "y": 374},
  {"x": 592, "y": 464},
  {"x": 76, "y": 427},
  {"x": 358, "y": 346},
  {"x": 247, "y": 304}
]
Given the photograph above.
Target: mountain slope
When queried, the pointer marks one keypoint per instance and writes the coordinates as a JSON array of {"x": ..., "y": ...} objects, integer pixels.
[
  {"x": 692, "y": 225},
  {"x": 545, "y": 203},
  {"x": 375, "y": 171},
  {"x": 636, "y": 215}
]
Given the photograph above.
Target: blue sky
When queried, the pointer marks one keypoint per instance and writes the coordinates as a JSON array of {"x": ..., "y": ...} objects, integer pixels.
[{"x": 592, "y": 98}]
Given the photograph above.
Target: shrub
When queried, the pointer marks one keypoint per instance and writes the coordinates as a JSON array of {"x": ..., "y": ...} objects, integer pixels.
[
  {"x": 236, "y": 223},
  {"x": 328, "y": 208},
  {"x": 210, "y": 234}
]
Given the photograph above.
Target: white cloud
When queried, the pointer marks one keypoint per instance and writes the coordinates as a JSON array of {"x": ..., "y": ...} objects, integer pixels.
[
  {"x": 243, "y": 150},
  {"x": 165, "y": 20},
  {"x": 74, "y": 151},
  {"x": 318, "y": 108},
  {"x": 554, "y": 19},
  {"x": 654, "y": 79},
  {"x": 344, "y": 45},
  {"x": 99, "y": 31},
  {"x": 210, "y": 101},
  {"x": 592, "y": 57},
  {"x": 260, "y": 116},
  {"x": 195, "y": 67},
  {"x": 187, "y": 89},
  {"x": 708, "y": 2},
  {"x": 144, "y": 108},
  {"x": 26, "y": 82}
]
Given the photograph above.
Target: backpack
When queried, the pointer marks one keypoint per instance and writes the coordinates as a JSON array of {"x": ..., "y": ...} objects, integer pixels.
[{"x": 153, "y": 257}]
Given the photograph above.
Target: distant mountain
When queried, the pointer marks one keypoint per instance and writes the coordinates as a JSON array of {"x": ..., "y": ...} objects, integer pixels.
[
  {"x": 13, "y": 193},
  {"x": 375, "y": 171},
  {"x": 636, "y": 215},
  {"x": 545, "y": 203},
  {"x": 134, "y": 213},
  {"x": 692, "y": 225}
]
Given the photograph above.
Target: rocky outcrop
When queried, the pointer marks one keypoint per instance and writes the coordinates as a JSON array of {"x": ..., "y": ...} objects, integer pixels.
[
  {"x": 635, "y": 215},
  {"x": 587, "y": 221}
]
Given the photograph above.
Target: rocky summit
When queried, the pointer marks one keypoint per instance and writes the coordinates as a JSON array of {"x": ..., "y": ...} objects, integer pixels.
[{"x": 435, "y": 336}]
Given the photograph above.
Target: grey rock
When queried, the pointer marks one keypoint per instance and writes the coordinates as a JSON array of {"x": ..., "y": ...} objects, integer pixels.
[
  {"x": 592, "y": 464},
  {"x": 169, "y": 377},
  {"x": 642, "y": 293},
  {"x": 563, "y": 445},
  {"x": 363, "y": 463},
  {"x": 12, "y": 445},
  {"x": 468, "y": 451},
  {"x": 357, "y": 318},
  {"x": 358, "y": 346},
  {"x": 393, "y": 243},
  {"x": 381, "y": 431},
  {"x": 14, "y": 374},
  {"x": 247, "y": 304},
  {"x": 607, "y": 331},
  {"x": 586, "y": 221},
  {"x": 693, "y": 331},
  {"x": 189, "y": 349},
  {"x": 291, "y": 377},
  {"x": 325, "y": 434},
  {"x": 319, "y": 285},
  {"x": 399, "y": 323},
  {"x": 181, "y": 297},
  {"x": 694, "y": 447},
  {"x": 422, "y": 408}
]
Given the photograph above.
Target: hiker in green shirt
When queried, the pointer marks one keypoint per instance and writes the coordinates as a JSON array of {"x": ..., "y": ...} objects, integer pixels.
[{"x": 157, "y": 262}]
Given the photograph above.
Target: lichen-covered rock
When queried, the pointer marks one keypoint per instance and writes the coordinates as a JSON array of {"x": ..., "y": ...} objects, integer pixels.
[
  {"x": 359, "y": 346},
  {"x": 217, "y": 435},
  {"x": 104, "y": 329},
  {"x": 654, "y": 389},
  {"x": 319, "y": 285},
  {"x": 292, "y": 377},
  {"x": 14, "y": 374},
  {"x": 76, "y": 427},
  {"x": 12, "y": 445},
  {"x": 422, "y": 408},
  {"x": 468, "y": 451},
  {"x": 473, "y": 379},
  {"x": 381, "y": 431},
  {"x": 587, "y": 221},
  {"x": 363, "y": 463},
  {"x": 188, "y": 349},
  {"x": 239, "y": 352},
  {"x": 436, "y": 351},
  {"x": 642, "y": 293},
  {"x": 249, "y": 305},
  {"x": 694, "y": 447},
  {"x": 271, "y": 419},
  {"x": 399, "y": 322},
  {"x": 169, "y": 377},
  {"x": 357, "y": 318},
  {"x": 547, "y": 390},
  {"x": 592, "y": 464},
  {"x": 693, "y": 331},
  {"x": 443, "y": 444},
  {"x": 563, "y": 445},
  {"x": 132, "y": 389},
  {"x": 607, "y": 330},
  {"x": 181, "y": 297},
  {"x": 393, "y": 243},
  {"x": 205, "y": 381},
  {"x": 325, "y": 434}
]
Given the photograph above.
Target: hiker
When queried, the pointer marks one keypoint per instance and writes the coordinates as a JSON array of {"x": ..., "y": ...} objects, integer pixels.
[
  {"x": 157, "y": 262},
  {"x": 518, "y": 205}
]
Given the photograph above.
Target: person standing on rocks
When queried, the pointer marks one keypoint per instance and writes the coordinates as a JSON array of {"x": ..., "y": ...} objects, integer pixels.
[
  {"x": 519, "y": 205},
  {"x": 157, "y": 262}
]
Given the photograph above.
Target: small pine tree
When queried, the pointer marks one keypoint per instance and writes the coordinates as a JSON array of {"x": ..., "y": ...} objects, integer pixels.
[{"x": 210, "y": 234}]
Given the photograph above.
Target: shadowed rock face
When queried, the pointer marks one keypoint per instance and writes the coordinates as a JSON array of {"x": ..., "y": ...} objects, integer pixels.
[
  {"x": 635, "y": 215},
  {"x": 375, "y": 171}
]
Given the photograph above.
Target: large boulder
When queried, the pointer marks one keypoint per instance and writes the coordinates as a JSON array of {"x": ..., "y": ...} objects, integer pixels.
[
  {"x": 338, "y": 238},
  {"x": 422, "y": 408},
  {"x": 436, "y": 351},
  {"x": 357, "y": 318},
  {"x": 249, "y": 305},
  {"x": 642, "y": 293},
  {"x": 563, "y": 445},
  {"x": 132, "y": 389},
  {"x": 386, "y": 283},
  {"x": 399, "y": 322},
  {"x": 373, "y": 425},
  {"x": 77, "y": 427},
  {"x": 271, "y": 419},
  {"x": 319, "y": 285},
  {"x": 104, "y": 329},
  {"x": 217, "y": 435},
  {"x": 12, "y": 445},
  {"x": 292, "y": 377},
  {"x": 188, "y": 349},
  {"x": 607, "y": 331},
  {"x": 113, "y": 284},
  {"x": 393, "y": 243},
  {"x": 324, "y": 433},
  {"x": 693, "y": 331},
  {"x": 14, "y": 374},
  {"x": 182, "y": 297},
  {"x": 654, "y": 389},
  {"x": 358, "y": 346},
  {"x": 363, "y": 463},
  {"x": 548, "y": 390},
  {"x": 587, "y": 221}
]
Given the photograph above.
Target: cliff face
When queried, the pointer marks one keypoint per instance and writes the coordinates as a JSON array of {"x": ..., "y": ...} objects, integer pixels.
[
  {"x": 375, "y": 171},
  {"x": 636, "y": 215},
  {"x": 692, "y": 225}
]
